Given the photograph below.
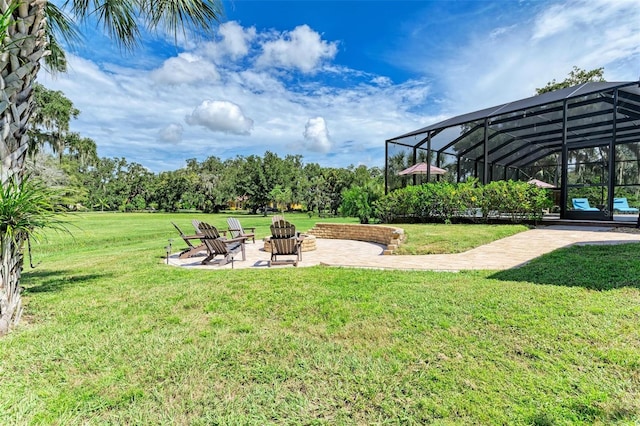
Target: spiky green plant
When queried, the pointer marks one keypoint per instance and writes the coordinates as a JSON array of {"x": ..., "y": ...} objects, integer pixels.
[
  {"x": 6, "y": 19},
  {"x": 26, "y": 207}
]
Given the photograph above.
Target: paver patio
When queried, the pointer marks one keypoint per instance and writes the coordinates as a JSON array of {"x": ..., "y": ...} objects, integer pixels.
[{"x": 502, "y": 254}]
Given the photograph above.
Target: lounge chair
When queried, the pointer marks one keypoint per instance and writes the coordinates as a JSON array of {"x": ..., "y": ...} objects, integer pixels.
[
  {"x": 196, "y": 225},
  {"x": 622, "y": 205},
  {"x": 221, "y": 246},
  {"x": 191, "y": 249},
  {"x": 276, "y": 218},
  {"x": 206, "y": 230},
  {"x": 236, "y": 230},
  {"x": 582, "y": 204},
  {"x": 285, "y": 241}
]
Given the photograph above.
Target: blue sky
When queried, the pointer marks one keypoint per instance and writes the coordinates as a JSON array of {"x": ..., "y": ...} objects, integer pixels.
[{"x": 332, "y": 80}]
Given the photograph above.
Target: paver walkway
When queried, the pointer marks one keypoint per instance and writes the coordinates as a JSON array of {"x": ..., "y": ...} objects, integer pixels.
[{"x": 506, "y": 253}]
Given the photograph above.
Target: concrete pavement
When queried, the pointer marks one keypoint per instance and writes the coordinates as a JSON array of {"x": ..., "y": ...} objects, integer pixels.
[{"x": 506, "y": 253}]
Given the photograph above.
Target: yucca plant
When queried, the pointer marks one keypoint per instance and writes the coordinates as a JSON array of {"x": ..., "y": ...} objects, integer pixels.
[{"x": 27, "y": 207}]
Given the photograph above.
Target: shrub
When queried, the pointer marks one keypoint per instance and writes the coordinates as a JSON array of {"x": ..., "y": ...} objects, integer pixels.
[
  {"x": 444, "y": 201},
  {"x": 359, "y": 201}
]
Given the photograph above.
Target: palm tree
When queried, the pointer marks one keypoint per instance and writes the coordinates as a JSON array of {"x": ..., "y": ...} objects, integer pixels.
[
  {"x": 82, "y": 149},
  {"x": 27, "y": 35}
]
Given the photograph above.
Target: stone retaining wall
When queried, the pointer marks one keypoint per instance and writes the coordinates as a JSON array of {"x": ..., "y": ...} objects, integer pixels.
[{"x": 388, "y": 235}]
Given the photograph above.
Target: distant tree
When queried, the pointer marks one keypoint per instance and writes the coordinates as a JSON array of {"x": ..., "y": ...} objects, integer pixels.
[
  {"x": 368, "y": 186},
  {"x": 576, "y": 76},
  {"x": 82, "y": 150},
  {"x": 337, "y": 180},
  {"x": 261, "y": 176},
  {"x": 50, "y": 121},
  {"x": 211, "y": 186},
  {"x": 310, "y": 190},
  {"x": 113, "y": 183},
  {"x": 254, "y": 183},
  {"x": 170, "y": 189},
  {"x": 135, "y": 186},
  {"x": 291, "y": 177},
  {"x": 234, "y": 181},
  {"x": 282, "y": 196}
]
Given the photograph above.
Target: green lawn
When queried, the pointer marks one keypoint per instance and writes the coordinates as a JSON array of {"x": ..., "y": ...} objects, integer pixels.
[
  {"x": 111, "y": 335},
  {"x": 438, "y": 239}
]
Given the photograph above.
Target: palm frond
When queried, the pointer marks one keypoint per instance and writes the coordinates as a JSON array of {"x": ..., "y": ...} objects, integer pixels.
[
  {"x": 123, "y": 19},
  {"x": 56, "y": 60},
  {"x": 62, "y": 24},
  {"x": 181, "y": 15},
  {"x": 119, "y": 19}
]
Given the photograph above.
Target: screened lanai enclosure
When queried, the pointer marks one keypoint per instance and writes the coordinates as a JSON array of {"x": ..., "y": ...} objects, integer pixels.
[{"x": 583, "y": 140}]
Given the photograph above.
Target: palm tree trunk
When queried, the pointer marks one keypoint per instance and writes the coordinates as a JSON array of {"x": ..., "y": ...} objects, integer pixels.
[
  {"x": 10, "y": 270},
  {"x": 20, "y": 52}
]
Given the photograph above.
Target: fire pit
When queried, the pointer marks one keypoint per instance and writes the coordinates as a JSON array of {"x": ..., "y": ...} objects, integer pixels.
[{"x": 308, "y": 243}]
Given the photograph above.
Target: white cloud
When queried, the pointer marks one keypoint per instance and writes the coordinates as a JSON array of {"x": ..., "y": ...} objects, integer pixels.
[
  {"x": 581, "y": 15},
  {"x": 509, "y": 62},
  {"x": 233, "y": 43},
  {"x": 316, "y": 135},
  {"x": 221, "y": 116},
  {"x": 382, "y": 81},
  {"x": 186, "y": 68},
  {"x": 123, "y": 109},
  {"x": 171, "y": 134},
  {"x": 301, "y": 49},
  {"x": 128, "y": 109},
  {"x": 501, "y": 32},
  {"x": 236, "y": 39}
]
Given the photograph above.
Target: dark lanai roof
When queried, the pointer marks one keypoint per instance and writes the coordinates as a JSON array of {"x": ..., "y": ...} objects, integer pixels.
[{"x": 522, "y": 104}]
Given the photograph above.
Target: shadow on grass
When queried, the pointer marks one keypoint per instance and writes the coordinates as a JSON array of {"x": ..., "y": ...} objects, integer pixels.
[
  {"x": 50, "y": 281},
  {"x": 595, "y": 267}
]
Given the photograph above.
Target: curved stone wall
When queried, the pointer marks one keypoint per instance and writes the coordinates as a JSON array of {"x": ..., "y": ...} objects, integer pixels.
[{"x": 389, "y": 236}]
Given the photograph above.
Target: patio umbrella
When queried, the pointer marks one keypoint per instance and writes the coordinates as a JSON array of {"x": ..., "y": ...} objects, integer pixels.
[
  {"x": 421, "y": 169},
  {"x": 540, "y": 184}
]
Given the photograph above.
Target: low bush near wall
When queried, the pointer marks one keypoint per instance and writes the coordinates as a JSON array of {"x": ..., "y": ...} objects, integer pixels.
[{"x": 469, "y": 201}]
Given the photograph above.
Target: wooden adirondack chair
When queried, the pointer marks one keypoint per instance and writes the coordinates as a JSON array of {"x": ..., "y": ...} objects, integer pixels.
[
  {"x": 220, "y": 246},
  {"x": 236, "y": 230},
  {"x": 285, "y": 241},
  {"x": 191, "y": 249}
]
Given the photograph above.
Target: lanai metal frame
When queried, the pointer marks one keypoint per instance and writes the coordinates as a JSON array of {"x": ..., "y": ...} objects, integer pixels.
[{"x": 541, "y": 136}]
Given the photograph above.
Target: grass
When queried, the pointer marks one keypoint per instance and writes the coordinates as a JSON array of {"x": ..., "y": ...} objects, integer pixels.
[
  {"x": 596, "y": 267},
  {"x": 112, "y": 335},
  {"x": 439, "y": 239}
]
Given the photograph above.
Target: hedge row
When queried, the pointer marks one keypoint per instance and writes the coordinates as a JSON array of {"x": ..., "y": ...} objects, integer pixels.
[{"x": 469, "y": 201}]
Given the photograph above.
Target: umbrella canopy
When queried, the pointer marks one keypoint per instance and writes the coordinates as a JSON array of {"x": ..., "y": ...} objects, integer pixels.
[
  {"x": 421, "y": 169},
  {"x": 540, "y": 184}
]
